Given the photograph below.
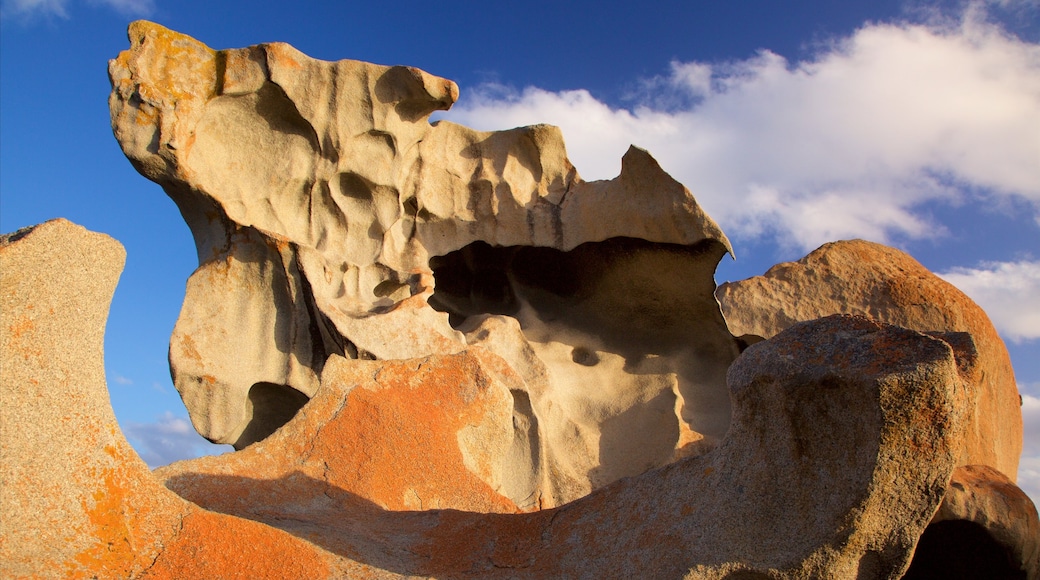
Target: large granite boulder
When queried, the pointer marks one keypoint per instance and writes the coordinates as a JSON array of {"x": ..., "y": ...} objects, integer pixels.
[{"x": 859, "y": 277}]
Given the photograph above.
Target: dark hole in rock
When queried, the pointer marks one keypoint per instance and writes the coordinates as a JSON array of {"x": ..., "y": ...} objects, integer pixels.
[
  {"x": 584, "y": 356},
  {"x": 955, "y": 549},
  {"x": 637, "y": 296},
  {"x": 272, "y": 406}
]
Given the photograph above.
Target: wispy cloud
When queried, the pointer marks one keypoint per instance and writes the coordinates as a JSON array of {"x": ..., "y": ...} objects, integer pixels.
[
  {"x": 851, "y": 143},
  {"x": 1009, "y": 292},
  {"x": 28, "y": 10},
  {"x": 169, "y": 439},
  {"x": 121, "y": 380}
]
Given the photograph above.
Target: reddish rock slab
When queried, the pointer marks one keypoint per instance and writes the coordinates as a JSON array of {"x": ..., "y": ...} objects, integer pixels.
[{"x": 403, "y": 435}]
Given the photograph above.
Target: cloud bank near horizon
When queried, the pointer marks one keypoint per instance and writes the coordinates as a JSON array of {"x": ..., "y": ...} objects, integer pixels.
[{"x": 851, "y": 143}]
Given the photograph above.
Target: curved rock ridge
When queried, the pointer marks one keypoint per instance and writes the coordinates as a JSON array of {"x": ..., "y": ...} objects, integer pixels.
[
  {"x": 331, "y": 218},
  {"x": 883, "y": 283},
  {"x": 77, "y": 501}
]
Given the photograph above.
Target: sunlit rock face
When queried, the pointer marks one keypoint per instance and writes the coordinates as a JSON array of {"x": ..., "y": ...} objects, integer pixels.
[
  {"x": 331, "y": 218},
  {"x": 860, "y": 277}
]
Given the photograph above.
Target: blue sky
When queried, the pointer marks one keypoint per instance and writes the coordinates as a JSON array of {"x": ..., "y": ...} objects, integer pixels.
[{"x": 794, "y": 123}]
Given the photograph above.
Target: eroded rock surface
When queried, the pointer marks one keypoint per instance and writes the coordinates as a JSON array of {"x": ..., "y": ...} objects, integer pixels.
[
  {"x": 871, "y": 407},
  {"x": 332, "y": 219},
  {"x": 829, "y": 470},
  {"x": 443, "y": 354},
  {"x": 858, "y": 277}
]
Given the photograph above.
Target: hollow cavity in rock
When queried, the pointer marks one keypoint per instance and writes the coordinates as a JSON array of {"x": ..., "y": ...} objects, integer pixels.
[{"x": 617, "y": 332}]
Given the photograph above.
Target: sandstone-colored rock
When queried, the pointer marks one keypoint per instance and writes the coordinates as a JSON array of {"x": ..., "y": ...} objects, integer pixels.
[
  {"x": 331, "y": 218},
  {"x": 76, "y": 500},
  {"x": 858, "y": 277},
  {"x": 986, "y": 527},
  {"x": 828, "y": 471}
]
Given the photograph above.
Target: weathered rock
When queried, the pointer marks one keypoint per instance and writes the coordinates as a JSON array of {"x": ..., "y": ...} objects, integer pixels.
[
  {"x": 331, "y": 218},
  {"x": 77, "y": 501},
  {"x": 986, "y": 527},
  {"x": 842, "y": 443},
  {"x": 858, "y": 277},
  {"x": 829, "y": 470}
]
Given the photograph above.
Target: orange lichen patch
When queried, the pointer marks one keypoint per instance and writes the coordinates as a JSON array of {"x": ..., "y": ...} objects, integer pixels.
[
  {"x": 188, "y": 348},
  {"x": 113, "y": 554},
  {"x": 283, "y": 55},
  {"x": 218, "y": 546},
  {"x": 396, "y": 440},
  {"x": 22, "y": 325},
  {"x": 180, "y": 65}
]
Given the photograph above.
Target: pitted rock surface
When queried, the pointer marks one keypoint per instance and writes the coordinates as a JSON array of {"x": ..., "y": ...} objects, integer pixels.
[{"x": 331, "y": 218}]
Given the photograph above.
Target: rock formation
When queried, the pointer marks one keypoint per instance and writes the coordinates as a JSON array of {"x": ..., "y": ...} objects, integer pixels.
[
  {"x": 858, "y": 277},
  {"x": 442, "y": 354},
  {"x": 842, "y": 443},
  {"x": 331, "y": 218}
]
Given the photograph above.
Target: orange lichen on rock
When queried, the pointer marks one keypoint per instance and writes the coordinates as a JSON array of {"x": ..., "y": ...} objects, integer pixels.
[
  {"x": 386, "y": 432},
  {"x": 399, "y": 434},
  {"x": 219, "y": 546},
  {"x": 76, "y": 500}
]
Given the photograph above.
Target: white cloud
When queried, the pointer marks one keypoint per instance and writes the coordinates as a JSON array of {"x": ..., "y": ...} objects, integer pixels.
[
  {"x": 121, "y": 380},
  {"x": 849, "y": 144},
  {"x": 29, "y": 9},
  {"x": 33, "y": 8},
  {"x": 169, "y": 439},
  {"x": 1009, "y": 292},
  {"x": 1029, "y": 467}
]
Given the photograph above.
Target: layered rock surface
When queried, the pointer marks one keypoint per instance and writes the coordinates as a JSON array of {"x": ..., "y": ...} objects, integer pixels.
[
  {"x": 859, "y": 277},
  {"x": 332, "y": 219}
]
